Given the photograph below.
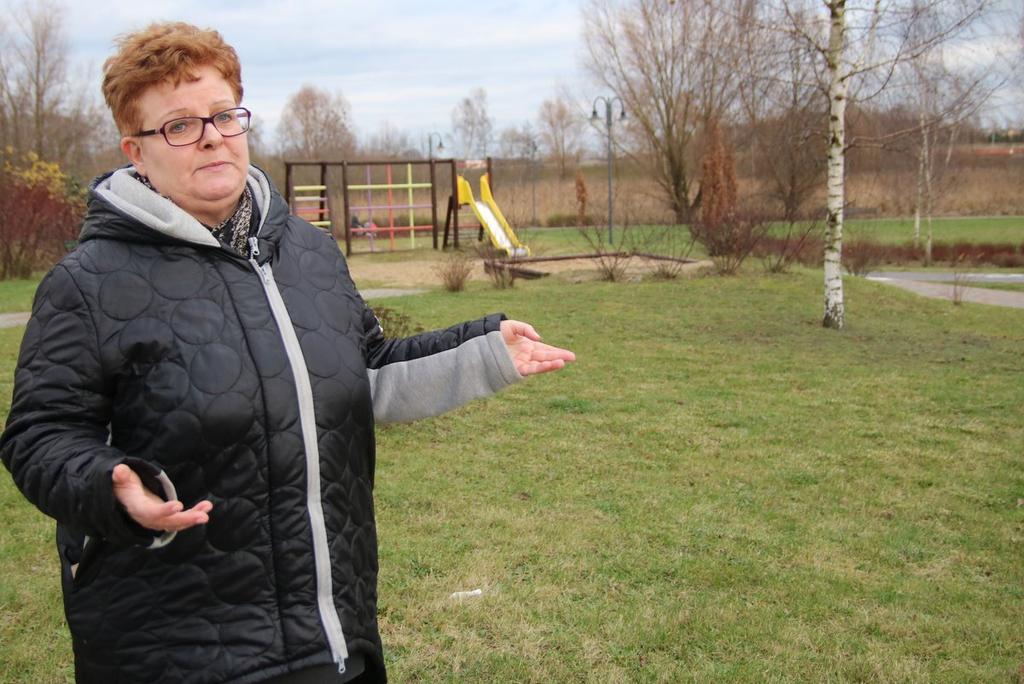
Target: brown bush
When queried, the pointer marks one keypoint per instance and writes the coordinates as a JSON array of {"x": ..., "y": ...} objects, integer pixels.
[
  {"x": 36, "y": 223},
  {"x": 581, "y": 200},
  {"x": 502, "y": 275},
  {"x": 396, "y": 324},
  {"x": 862, "y": 256},
  {"x": 454, "y": 271},
  {"x": 799, "y": 243},
  {"x": 731, "y": 242},
  {"x": 563, "y": 220}
]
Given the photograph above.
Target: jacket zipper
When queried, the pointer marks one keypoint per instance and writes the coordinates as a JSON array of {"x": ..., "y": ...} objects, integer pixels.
[{"x": 321, "y": 553}]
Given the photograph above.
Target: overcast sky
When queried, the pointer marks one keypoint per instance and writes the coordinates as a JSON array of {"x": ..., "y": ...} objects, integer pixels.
[{"x": 406, "y": 62}]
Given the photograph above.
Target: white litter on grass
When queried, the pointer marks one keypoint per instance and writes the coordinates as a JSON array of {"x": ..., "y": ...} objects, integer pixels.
[{"x": 467, "y": 594}]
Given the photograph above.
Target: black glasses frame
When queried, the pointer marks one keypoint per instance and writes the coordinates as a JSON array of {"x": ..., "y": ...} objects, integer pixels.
[{"x": 206, "y": 120}]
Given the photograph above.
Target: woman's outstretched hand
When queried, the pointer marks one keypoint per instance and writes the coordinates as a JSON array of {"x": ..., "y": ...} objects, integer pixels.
[
  {"x": 149, "y": 510},
  {"x": 529, "y": 354}
]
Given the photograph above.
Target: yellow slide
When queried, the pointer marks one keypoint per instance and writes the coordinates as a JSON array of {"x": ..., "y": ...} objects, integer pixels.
[{"x": 490, "y": 217}]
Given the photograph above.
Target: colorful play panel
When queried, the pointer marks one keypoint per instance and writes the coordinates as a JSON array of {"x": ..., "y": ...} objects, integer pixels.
[{"x": 380, "y": 200}]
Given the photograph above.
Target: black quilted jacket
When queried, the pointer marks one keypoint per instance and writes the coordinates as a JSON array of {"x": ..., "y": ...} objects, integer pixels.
[{"x": 251, "y": 383}]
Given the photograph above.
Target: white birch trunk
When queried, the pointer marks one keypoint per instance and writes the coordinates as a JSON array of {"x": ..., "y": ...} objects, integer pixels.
[{"x": 837, "y": 90}]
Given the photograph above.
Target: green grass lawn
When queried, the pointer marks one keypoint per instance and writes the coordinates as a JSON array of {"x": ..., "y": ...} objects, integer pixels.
[
  {"x": 945, "y": 229},
  {"x": 718, "y": 490},
  {"x": 1012, "y": 287},
  {"x": 16, "y": 295}
]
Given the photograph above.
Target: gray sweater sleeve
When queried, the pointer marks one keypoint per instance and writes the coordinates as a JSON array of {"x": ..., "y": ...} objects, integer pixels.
[{"x": 430, "y": 385}]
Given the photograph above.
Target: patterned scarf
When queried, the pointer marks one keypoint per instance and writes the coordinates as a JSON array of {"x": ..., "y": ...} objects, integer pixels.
[{"x": 235, "y": 229}]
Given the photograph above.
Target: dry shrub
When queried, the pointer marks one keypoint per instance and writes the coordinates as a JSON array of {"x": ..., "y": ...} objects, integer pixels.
[
  {"x": 1003, "y": 254},
  {"x": 454, "y": 271},
  {"x": 862, "y": 256},
  {"x": 717, "y": 181},
  {"x": 960, "y": 280},
  {"x": 396, "y": 324},
  {"x": 581, "y": 200},
  {"x": 561, "y": 220},
  {"x": 495, "y": 266},
  {"x": 1013, "y": 260},
  {"x": 729, "y": 243},
  {"x": 502, "y": 275},
  {"x": 611, "y": 257},
  {"x": 38, "y": 218},
  {"x": 795, "y": 245},
  {"x": 668, "y": 241},
  {"x": 613, "y": 251},
  {"x": 727, "y": 234}
]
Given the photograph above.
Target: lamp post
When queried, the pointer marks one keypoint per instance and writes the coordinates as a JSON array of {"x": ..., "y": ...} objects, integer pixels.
[
  {"x": 609, "y": 104},
  {"x": 533, "y": 189},
  {"x": 430, "y": 146}
]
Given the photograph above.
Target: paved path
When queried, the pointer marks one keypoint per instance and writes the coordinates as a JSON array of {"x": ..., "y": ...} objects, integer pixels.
[
  {"x": 12, "y": 320},
  {"x": 934, "y": 277},
  {"x": 944, "y": 290},
  {"x": 381, "y": 292}
]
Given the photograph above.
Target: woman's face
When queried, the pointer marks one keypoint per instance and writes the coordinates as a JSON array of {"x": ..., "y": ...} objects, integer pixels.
[{"x": 205, "y": 178}]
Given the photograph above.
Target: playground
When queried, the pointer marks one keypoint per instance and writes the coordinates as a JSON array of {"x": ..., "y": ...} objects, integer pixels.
[{"x": 388, "y": 205}]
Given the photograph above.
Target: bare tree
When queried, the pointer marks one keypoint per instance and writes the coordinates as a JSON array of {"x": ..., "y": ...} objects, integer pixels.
[
  {"x": 517, "y": 142},
  {"x": 42, "y": 54},
  {"x": 675, "y": 66},
  {"x": 783, "y": 116},
  {"x": 561, "y": 133},
  {"x": 944, "y": 99},
  {"x": 389, "y": 142},
  {"x": 471, "y": 124},
  {"x": 43, "y": 109},
  {"x": 316, "y": 125}
]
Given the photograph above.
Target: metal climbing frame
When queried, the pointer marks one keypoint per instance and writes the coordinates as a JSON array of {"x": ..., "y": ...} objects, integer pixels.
[{"x": 385, "y": 209}]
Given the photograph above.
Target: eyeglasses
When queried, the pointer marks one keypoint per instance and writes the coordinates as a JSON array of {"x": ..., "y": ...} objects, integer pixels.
[{"x": 189, "y": 129}]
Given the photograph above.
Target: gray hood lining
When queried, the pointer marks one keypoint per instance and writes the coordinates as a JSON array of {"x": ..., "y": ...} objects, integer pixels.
[{"x": 127, "y": 194}]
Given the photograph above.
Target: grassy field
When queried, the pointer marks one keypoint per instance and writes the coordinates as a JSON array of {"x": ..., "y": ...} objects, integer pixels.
[
  {"x": 16, "y": 295},
  {"x": 718, "y": 490},
  {"x": 949, "y": 230}
]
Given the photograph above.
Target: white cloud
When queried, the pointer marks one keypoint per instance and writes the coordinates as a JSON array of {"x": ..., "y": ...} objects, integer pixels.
[{"x": 404, "y": 61}]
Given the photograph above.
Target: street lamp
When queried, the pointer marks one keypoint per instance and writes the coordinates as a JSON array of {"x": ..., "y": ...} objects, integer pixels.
[
  {"x": 533, "y": 189},
  {"x": 430, "y": 146},
  {"x": 609, "y": 104}
]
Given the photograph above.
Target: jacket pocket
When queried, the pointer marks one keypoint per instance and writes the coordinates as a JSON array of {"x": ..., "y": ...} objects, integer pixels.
[{"x": 88, "y": 566}]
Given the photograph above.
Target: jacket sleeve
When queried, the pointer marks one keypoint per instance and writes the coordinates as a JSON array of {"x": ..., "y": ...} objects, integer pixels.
[
  {"x": 56, "y": 439},
  {"x": 428, "y": 374}
]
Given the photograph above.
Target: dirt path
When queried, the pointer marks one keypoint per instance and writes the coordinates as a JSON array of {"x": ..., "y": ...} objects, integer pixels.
[
  {"x": 412, "y": 274},
  {"x": 396, "y": 279}
]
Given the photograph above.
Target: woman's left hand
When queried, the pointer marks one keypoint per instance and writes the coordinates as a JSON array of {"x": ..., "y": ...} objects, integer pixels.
[{"x": 529, "y": 354}]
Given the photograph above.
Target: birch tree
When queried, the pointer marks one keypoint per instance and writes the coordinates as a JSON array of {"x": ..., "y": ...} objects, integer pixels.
[
  {"x": 945, "y": 98},
  {"x": 944, "y": 102},
  {"x": 865, "y": 41}
]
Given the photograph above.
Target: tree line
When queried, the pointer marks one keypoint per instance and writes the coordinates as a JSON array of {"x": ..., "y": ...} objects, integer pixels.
[{"x": 793, "y": 85}]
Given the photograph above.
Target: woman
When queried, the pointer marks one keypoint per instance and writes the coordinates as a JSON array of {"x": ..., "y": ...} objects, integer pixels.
[{"x": 196, "y": 396}]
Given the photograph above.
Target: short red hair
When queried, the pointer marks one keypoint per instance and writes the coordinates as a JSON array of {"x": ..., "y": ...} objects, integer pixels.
[{"x": 167, "y": 51}]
